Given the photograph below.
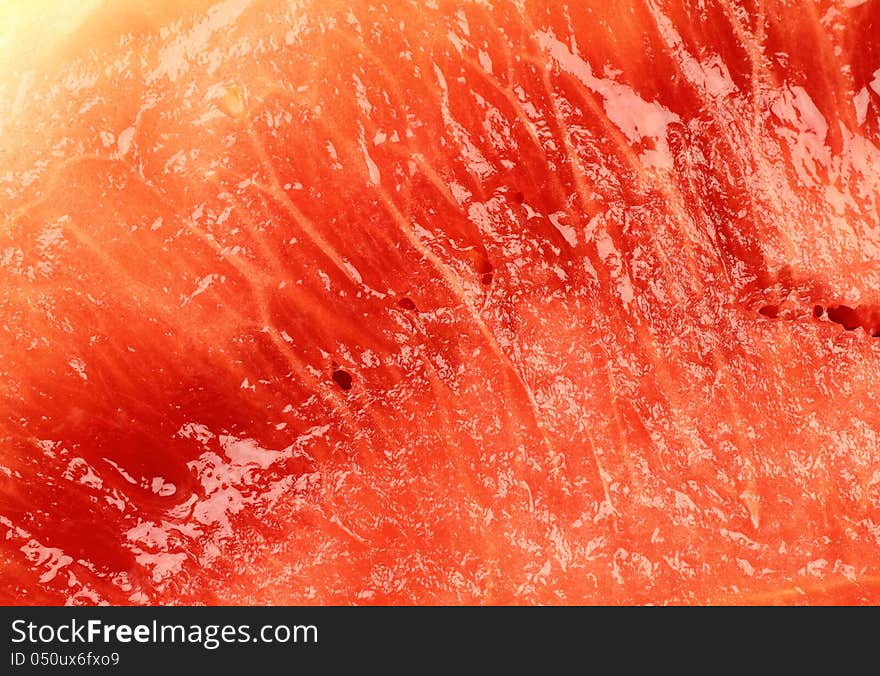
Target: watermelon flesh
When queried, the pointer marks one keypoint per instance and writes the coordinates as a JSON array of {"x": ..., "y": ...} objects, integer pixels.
[{"x": 445, "y": 303}]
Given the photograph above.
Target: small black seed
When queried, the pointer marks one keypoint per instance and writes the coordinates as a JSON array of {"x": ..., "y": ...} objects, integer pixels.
[{"x": 342, "y": 378}]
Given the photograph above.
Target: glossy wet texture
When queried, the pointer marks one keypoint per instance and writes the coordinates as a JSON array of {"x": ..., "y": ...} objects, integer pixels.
[{"x": 445, "y": 303}]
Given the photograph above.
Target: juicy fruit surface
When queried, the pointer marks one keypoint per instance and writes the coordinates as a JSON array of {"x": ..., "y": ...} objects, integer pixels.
[{"x": 445, "y": 303}]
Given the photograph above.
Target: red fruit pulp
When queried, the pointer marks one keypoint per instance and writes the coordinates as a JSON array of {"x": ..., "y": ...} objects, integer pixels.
[{"x": 445, "y": 303}]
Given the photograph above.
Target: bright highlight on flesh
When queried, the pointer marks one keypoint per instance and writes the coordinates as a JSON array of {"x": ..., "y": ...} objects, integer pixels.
[{"x": 31, "y": 27}]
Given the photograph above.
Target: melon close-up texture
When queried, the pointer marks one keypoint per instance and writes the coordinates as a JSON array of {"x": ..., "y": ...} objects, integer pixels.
[{"x": 432, "y": 302}]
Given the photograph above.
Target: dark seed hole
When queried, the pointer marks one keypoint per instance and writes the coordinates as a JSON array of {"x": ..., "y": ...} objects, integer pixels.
[
  {"x": 770, "y": 311},
  {"x": 818, "y": 310},
  {"x": 845, "y": 316},
  {"x": 407, "y": 304},
  {"x": 342, "y": 378},
  {"x": 487, "y": 278}
]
